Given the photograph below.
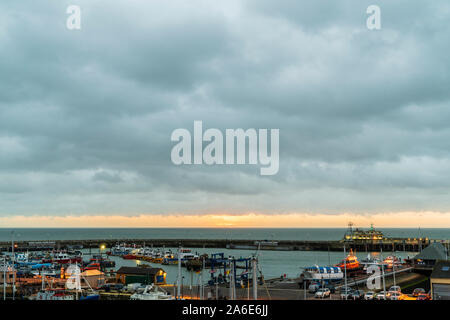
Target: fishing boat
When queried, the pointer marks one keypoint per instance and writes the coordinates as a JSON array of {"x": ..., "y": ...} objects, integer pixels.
[
  {"x": 152, "y": 292},
  {"x": 391, "y": 261},
  {"x": 92, "y": 296},
  {"x": 104, "y": 263},
  {"x": 45, "y": 269},
  {"x": 63, "y": 258},
  {"x": 370, "y": 260},
  {"x": 130, "y": 256},
  {"x": 92, "y": 266},
  {"x": 120, "y": 250},
  {"x": 53, "y": 294},
  {"x": 184, "y": 254}
]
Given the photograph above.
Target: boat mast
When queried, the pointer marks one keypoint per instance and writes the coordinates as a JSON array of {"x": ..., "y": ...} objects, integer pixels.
[
  {"x": 13, "y": 265},
  {"x": 382, "y": 269},
  {"x": 201, "y": 280},
  {"x": 233, "y": 278},
  {"x": 230, "y": 278},
  {"x": 345, "y": 273},
  {"x": 4, "y": 277},
  {"x": 179, "y": 274}
]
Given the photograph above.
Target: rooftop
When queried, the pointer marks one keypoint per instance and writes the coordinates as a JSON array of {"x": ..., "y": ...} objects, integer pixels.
[
  {"x": 435, "y": 251},
  {"x": 441, "y": 270}
]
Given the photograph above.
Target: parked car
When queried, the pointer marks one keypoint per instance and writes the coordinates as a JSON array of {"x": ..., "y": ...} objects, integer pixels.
[
  {"x": 369, "y": 295},
  {"x": 322, "y": 293},
  {"x": 382, "y": 295},
  {"x": 331, "y": 287},
  {"x": 418, "y": 291},
  {"x": 394, "y": 295},
  {"x": 424, "y": 296},
  {"x": 313, "y": 287},
  {"x": 346, "y": 293},
  {"x": 395, "y": 289},
  {"x": 357, "y": 294}
]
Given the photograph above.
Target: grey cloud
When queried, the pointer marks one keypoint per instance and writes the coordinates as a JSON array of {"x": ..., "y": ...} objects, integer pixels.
[{"x": 86, "y": 116}]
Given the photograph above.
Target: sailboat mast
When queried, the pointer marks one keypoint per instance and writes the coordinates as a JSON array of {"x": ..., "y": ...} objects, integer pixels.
[
  {"x": 4, "y": 277},
  {"x": 13, "y": 266},
  {"x": 345, "y": 272},
  {"x": 179, "y": 275},
  {"x": 382, "y": 269}
]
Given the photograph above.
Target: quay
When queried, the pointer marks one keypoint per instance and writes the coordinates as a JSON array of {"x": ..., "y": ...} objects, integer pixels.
[{"x": 397, "y": 244}]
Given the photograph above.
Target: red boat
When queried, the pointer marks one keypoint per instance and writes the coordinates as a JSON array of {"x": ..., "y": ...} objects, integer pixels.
[
  {"x": 350, "y": 263},
  {"x": 93, "y": 266},
  {"x": 129, "y": 257},
  {"x": 63, "y": 258}
]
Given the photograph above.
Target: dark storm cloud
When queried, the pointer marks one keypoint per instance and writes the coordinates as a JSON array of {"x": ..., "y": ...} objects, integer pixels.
[{"x": 86, "y": 115}]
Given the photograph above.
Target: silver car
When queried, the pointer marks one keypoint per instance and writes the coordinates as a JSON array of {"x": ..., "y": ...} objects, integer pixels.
[
  {"x": 394, "y": 295},
  {"x": 382, "y": 295},
  {"x": 369, "y": 295},
  {"x": 323, "y": 293}
]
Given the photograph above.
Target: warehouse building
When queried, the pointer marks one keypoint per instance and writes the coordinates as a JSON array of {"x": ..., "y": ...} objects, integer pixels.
[
  {"x": 128, "y": 275},
  {"x": 440, "y": 281}
]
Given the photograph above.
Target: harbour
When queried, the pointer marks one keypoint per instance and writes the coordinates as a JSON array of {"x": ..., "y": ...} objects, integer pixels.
[{"x": 209, "y": 269}]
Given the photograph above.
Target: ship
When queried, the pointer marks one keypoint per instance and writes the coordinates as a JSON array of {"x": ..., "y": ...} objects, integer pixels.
[
  {"x": 350, "y": 263},
  {"x": 356, "y": 234}
]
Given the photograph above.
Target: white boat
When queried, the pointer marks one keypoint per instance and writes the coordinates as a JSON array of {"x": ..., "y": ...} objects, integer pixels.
[
  {"x": 152, "y": 292},
  {"x": 121, "y": 249},
  {"x": 392, "y": 261},
  {"x": 371, "y": 260},
  {"x": 54, "y": 294},
  {"x": 323, "y": 273}
]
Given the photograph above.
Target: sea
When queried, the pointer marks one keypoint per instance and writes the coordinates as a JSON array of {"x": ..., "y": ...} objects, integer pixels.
[{"x": 273, "y": 264}]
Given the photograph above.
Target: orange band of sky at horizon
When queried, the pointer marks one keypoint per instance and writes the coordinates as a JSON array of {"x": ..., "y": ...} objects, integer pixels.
[{"x": 252, "y": 220}]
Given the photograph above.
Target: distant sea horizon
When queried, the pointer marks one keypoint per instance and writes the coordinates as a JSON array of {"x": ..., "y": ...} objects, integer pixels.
[{"x": 114, "y": 233}]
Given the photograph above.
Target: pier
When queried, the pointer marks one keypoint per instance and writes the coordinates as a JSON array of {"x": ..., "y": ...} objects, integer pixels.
[{"x": 406, "y": 245}]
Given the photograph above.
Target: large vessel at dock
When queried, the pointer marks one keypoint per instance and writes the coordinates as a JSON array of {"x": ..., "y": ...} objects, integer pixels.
[
  {"x": 356, "y": 234},
  {"x": 350, "y": 263}
]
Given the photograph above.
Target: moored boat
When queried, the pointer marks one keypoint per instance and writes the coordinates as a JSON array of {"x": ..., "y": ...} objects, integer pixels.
[
  {"x": 152, "y": 292},
  {"x": 350, "y": 263}
]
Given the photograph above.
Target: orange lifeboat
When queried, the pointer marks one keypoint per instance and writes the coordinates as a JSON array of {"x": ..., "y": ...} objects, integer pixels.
[{"x": 350, "y": 263}]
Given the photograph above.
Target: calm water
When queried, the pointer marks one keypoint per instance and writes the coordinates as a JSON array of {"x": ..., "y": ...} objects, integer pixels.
[
  {"x": 206, "y": 233},
  {"x": 273, "y": 264}
]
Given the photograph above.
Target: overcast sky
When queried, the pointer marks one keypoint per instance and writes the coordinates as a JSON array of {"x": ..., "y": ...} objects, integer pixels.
[{"x": 86, "y": 115}]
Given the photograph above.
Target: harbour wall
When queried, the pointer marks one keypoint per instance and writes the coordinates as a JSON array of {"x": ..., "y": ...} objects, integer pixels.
[{"x": 409, "y": 245}]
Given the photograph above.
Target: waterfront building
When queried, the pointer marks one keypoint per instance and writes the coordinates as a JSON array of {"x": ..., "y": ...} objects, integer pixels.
[
  {"x": 92, "y": 278},
  {"x": 440, "y": 281},
  {"x": 6, "y": 272},
  {"x": 427, "y": 259},
  {"x": 128, "y": 275}
]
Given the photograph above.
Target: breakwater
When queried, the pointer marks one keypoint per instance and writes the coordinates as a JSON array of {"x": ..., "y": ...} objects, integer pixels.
[{"x": 411, "y": 245}]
